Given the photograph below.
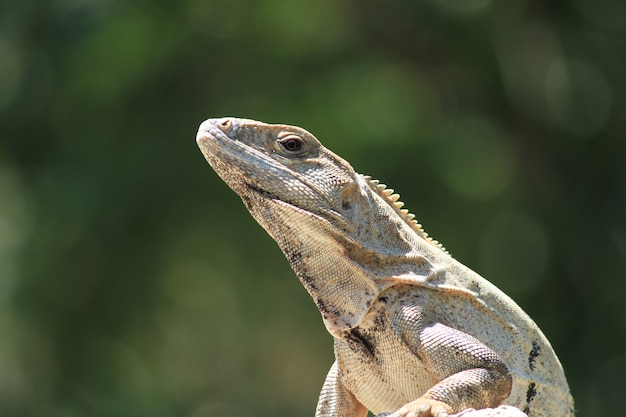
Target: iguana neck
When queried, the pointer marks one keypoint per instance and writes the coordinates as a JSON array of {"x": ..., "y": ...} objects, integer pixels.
[{"x": 328, "y": 255}]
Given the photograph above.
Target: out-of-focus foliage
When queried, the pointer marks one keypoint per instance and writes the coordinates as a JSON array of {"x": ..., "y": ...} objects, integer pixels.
[{"x": 132, "y": 280}]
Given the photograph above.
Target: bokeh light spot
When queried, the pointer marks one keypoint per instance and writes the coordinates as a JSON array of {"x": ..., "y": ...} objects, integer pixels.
[
  {"x": 10, "y": 72},
  {"x": 514, "y": 252},
  {"x": 474, "y": 159},
  {"x": 376, "y": 102},
  {"x": 463, "y": 6},
  {"x": 578, "y": 97}
]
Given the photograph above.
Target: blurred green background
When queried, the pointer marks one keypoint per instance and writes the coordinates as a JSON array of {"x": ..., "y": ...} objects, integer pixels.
[{"x": 133, "y": 282}]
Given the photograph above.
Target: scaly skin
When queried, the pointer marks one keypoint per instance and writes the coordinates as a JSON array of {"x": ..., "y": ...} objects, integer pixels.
[{"x": 416, "y": 333}]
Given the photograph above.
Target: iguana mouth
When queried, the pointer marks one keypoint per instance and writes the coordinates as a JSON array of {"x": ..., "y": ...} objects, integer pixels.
[{"x": 262, "y": 192}]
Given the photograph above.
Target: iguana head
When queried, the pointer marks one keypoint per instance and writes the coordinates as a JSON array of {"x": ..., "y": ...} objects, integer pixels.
[
  {"x": 342, "y": 233},
  {"x": 275, "y": 162}
]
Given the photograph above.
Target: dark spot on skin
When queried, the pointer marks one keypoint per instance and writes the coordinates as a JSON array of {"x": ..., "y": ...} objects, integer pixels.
[
  {"x": 294, "y": 256},
  {"x": 307, "y": 281},
  {"x": 530, "y": 395},
  {"x": 379, "y": 322},
  {"x": 383, "y": 300},
  {"x": 532, "y": 356},
  {"x": 361, "y": 342},
  {"x": 247, "y": 201},
  {"x": 321, "y": 306},
  {"x": 346, "y": 204},
  {"x": 328, "y": 311}
]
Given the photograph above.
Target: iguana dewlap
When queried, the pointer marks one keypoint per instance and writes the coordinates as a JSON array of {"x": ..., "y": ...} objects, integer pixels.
[{"x": 416, "y": 333}]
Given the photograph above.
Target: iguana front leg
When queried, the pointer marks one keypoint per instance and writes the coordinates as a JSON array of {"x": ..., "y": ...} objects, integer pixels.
[
  {"x": 335, "y": 399},
  {"x": 471, "y": 375}
]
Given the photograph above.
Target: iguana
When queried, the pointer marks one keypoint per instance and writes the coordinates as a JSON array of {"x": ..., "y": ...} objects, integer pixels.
[{"x": 416, "y": 333}]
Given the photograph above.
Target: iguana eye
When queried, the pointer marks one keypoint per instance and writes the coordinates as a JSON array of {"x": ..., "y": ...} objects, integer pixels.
[{"x": 291, "y": 144}]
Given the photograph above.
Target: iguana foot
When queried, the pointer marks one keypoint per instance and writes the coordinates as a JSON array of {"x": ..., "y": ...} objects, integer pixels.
[{"x": 422, "y": 407}]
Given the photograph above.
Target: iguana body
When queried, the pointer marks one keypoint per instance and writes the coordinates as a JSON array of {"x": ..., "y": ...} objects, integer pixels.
[{"x": 416, "y": 332}]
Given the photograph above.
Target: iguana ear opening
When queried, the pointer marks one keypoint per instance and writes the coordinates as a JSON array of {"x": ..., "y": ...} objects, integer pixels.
[
  {"x": 356, "y": 210},
  {"x": 348, "y": 198}
]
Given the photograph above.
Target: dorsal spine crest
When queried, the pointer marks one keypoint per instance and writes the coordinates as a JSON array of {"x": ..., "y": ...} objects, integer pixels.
[{"x": 392, "y": 199}]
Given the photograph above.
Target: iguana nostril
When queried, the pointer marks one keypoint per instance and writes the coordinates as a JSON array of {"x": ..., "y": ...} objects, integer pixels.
[{"x": 225, "y": 125}]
